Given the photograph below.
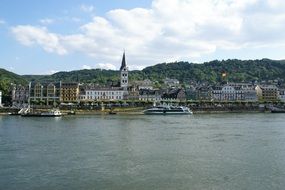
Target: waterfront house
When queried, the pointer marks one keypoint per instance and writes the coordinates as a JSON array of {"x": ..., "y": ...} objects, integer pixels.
[
  {"x": 100, "y": 93},
  {"x": 149, "y": 95},
  {"x": 204, "y": 93},
  {"x": 227, "y": 93},
  {"x": 19, "y": 95},
  {"x": 282, "y": 95},
  {"x": 177, "y": 94},
  {"x": 44, "y": 93},
  {"x": 249, "y": 93},
  {"x": 69, "y": 91},
  {"x": 267, "y": 92},
  {"x": 191, "y": 93}
]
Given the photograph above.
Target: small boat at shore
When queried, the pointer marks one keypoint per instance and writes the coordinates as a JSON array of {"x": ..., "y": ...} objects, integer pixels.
[
  {"x": 168, "y": 110},
  {"x": 50, "y": 113},
  {"x": 14, "y": 113},
  {"x": 277, "y": 110},
  {"x": 112, "y": 113}
]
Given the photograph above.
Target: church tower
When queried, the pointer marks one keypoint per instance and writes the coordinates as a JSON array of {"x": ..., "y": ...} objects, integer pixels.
[{"x": 124, "y": 73}]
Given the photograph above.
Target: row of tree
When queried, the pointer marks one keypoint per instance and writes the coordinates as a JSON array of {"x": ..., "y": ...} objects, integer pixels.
[{"x": 211, "y": 72}]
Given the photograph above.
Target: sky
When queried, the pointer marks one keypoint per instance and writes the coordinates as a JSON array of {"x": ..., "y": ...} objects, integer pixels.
[{"x": 44, "y": 37}]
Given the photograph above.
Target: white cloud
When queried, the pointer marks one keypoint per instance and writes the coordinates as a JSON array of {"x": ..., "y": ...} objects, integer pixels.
[
  {"x": 169, "y": 30},
  {"x": 87, "y": 8},
  {"x": 86, "y": 67},
  {"x": 50, "y": 72},
  {"x": 136, "y": 67},
  {"x": 30, "y": 35},
  {"x": 106, "y": 66},
  {"x": 46, "y": 21}
]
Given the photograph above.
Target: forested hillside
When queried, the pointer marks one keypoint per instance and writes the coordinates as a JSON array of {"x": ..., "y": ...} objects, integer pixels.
[
  {"x": 6, "y": 78},
  {"x": 236, "y": 70}
]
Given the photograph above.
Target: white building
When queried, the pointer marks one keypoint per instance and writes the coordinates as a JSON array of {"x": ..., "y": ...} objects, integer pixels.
[
  {"x": 231, "y": 92},
  {"x": 103, "y": 94},
  {"x": 282, "y": 95},
  {"x": 149, "y": 95},
  {"x": 112, "y": 93},
  {"x": 144, "y": 84},
  {"x": 249, "y": 94},
  {"x": 0, "y": 98},
  {"x": 20, "y": 95},
  {"x": 171, "y": 82},
  {"x": 227, "y": 93}
]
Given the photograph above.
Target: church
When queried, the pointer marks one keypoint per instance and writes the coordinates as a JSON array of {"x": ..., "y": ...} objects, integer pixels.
[{"x": 110, "y": 93}]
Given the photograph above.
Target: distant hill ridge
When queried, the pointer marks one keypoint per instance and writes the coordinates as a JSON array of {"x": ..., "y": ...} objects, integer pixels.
[{"x": 237, "y": 71}]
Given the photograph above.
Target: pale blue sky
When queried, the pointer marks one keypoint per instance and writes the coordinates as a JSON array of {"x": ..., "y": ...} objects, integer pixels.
[{"x": 42, "y": 37}]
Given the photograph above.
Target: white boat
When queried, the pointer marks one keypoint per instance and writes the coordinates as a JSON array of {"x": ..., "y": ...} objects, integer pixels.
[
  {"x": 168, "y": 110},
  {"x": 50, "y": 113},
  {"x": 277, "y": 110}
]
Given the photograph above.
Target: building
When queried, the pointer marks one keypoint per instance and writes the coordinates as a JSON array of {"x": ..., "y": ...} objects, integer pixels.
[
  {"x": 234, "y": 92},
  {"x": 171, "y": 82},
  {"x": 0, "y": 98},
  {"x": 69, "y": 92},
  {"x": 191, "y": 93},
  {"x": 227, "y": 93},
  {"x": 20, "y": 95},
  {"x": 96, "y": 93},
  {"x": 267, "y": 92},
  {"x": 249, "y": 93},
  {"x": 149, "y": 95},
  {"x": 44, "y": 93},
  {"x": 177, "y": 94},
  {"x": 124, "y": 73},
  {"x": 144, "y": 84},
  {"x": 204, "y": 93},
  {"x": 99, "y": 94},
  {"x": 282, "y": 95}
]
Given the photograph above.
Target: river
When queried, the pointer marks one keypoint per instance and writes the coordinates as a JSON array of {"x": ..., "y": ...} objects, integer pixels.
[{"x": 138, "y": 152}]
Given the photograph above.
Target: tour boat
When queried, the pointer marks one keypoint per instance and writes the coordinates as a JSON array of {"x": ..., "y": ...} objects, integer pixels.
[{"x": 168, "y": 110}]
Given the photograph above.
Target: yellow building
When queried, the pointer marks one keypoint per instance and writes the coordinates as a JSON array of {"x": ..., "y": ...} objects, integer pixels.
[
  {"x": 69, "y": 91},
  {"x": 267, "y": 92}
]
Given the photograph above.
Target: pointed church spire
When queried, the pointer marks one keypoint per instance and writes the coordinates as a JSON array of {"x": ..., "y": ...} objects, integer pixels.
[
  {"x": 124, "y": 73},
  {"x": 123, "y": 65}
]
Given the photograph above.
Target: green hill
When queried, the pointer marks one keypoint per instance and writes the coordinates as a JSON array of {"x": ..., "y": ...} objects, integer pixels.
[
  {"x": 6, "y": 78},
  {"x": 237, "y": 70},
  {"x": 185, "y": 72}
]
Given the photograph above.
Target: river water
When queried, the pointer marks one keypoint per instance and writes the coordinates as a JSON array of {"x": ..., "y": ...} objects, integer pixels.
[{"x": 137, "y": 152}]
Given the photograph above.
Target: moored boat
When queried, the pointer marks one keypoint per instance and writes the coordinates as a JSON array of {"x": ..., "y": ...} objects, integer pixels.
[
  {"x": 50, "y": 113},
  {"x": 277, "y": 110},
  {"x": 168, "y": 110},
  {"x": 112, "y": 113}
]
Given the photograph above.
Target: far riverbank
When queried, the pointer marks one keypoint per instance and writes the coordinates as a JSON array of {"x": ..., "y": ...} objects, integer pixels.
[{"x": 139, "y": 110}]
